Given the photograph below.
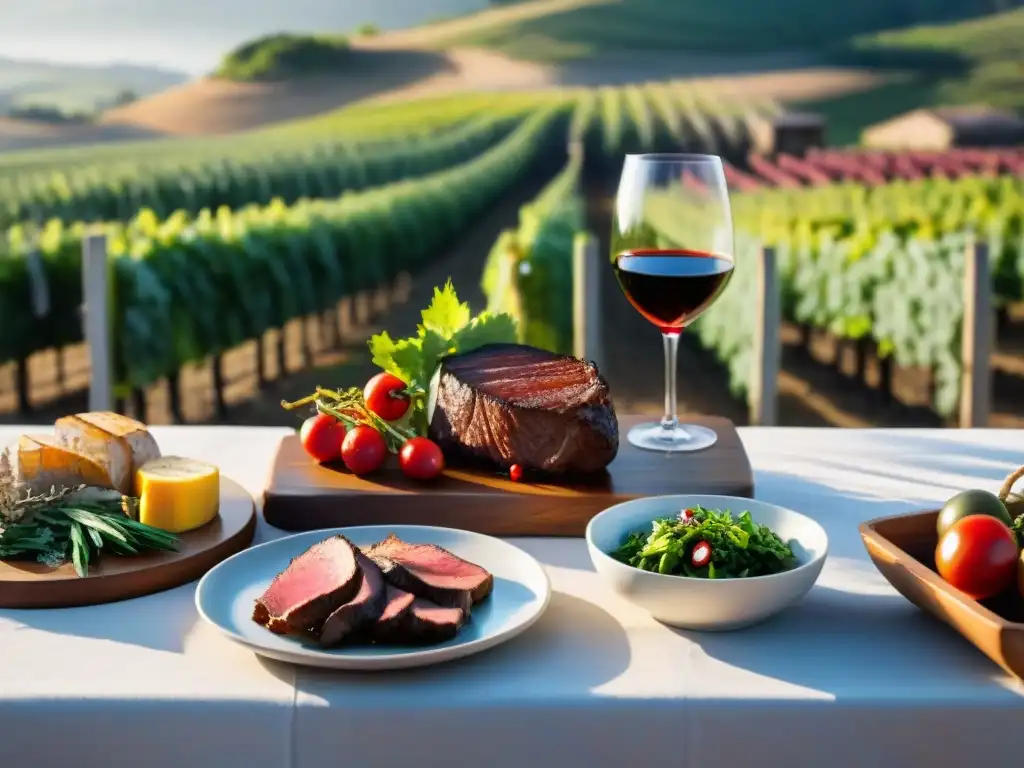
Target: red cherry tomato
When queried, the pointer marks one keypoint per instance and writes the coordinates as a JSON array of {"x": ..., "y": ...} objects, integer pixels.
[
  {"x": 978, "y": 555},
  {"x": 363, "y": 449},
  {"x": 321, "y": 437},
  {"x": 383, "y": 395},
  {"x": 421, "y": 459},
  {"x": 515, "y": 473}
]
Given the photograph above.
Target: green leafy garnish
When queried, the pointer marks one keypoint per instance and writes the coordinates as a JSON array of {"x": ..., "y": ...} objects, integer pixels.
[
  {"x": 446, "y": 329},
  {"x": 739, "y": 548}
]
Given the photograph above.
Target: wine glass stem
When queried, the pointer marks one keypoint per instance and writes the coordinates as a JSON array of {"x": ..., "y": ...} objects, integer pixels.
[{"x": 670, "y": 422}]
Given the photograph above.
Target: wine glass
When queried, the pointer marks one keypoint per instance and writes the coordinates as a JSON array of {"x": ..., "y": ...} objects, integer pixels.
[{"x": 672, "y": 252}]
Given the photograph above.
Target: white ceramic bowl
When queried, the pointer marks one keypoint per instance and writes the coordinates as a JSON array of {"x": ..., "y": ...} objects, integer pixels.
[{"x": 707, "y": 604}]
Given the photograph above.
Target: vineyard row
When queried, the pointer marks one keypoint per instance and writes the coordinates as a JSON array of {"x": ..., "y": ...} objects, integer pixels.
[
  {"x": 610, "y": 120},
  {"x": 831, "y": 166},
  {"x": 187, "y": 288}
]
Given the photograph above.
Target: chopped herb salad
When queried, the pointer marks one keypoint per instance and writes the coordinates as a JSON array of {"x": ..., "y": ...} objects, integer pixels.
[{"x": 707, "y": 544}]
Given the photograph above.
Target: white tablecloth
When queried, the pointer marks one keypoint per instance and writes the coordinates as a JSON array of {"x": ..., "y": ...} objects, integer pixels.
[{"x": 854, "y": 675}]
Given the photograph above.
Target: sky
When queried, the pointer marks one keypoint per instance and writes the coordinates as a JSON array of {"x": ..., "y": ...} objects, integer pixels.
[{"x": 187, "y": 35}]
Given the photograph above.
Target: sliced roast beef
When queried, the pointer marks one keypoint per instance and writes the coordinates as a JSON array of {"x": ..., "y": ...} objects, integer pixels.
[
  {"x": 396, "y": 604},
  {"x": 432, "y": 573},
  {"x": 362, "y": 610},
  {"x": 514, "y": 404},
  {"x": 311, "y": 588},
  {"x": 410, "y": 620}
]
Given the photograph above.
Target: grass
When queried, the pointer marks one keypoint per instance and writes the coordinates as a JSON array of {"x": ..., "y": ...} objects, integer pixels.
[
  {"x": 565, "y": 29},
  {"x": 990, "y": 52},
  {"x": 276, "y": 57},
  {"x": 969, "y": 62}
]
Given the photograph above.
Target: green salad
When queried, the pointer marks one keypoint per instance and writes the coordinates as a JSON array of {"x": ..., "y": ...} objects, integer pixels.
[{"x": 707, "y": 544}]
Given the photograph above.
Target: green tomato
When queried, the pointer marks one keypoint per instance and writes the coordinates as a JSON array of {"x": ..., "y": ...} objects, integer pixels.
[{"x": 973, "y": 502}]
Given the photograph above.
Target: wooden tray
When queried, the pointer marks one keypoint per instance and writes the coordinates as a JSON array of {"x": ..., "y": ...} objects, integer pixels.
[
  {"x": 903, "y": 549},
  {"x": 302, "y": 495},
  {"x": 25, "y": 584}
]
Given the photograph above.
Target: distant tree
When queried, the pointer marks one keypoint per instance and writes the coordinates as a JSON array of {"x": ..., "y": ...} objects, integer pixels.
[
  {"x": 367, "y": 30},
  {"x": 284, "y": 55},
  {"x": 46, "y": 113},
  {"x": 125, "y": 96}
]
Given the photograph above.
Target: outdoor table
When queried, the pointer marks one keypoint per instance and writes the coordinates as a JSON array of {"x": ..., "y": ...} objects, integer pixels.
[{"x": 853, "y": 675}]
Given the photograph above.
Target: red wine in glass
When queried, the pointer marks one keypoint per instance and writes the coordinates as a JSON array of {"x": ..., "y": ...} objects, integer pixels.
[{"x": 671, "y": 287}]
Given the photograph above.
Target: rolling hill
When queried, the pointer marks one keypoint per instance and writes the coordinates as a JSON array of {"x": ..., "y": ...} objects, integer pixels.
[
  {"x": 558, "y": 30},
  {"x": 74, "y": 88}
]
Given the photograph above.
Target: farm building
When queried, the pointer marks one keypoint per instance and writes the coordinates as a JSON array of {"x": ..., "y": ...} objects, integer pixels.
[
  {"x": 946, "y": 127},
  {"x": 792, "y": 133}
]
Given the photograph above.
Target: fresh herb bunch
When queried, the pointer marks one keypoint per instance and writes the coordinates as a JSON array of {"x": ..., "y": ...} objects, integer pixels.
[
  {"x": 71, "y": 524},
  {"x": 739, "y": 548}
]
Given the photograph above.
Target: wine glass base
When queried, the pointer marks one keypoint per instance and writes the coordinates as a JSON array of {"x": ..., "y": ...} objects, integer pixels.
[{"x": 651, "y": 436}]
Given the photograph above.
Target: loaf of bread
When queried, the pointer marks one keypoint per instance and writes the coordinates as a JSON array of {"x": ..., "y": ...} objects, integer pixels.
[{"x": 115, "y": 443}]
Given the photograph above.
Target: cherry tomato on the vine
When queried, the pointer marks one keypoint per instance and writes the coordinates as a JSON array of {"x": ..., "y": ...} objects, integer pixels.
[
  {"x": 384, "y": 394},
  {"x": 363, "y": 449},
  {"x": 321, "y": 437},
  {"x": 978, "y": 555},
  {"x": 421, "y": 459}
]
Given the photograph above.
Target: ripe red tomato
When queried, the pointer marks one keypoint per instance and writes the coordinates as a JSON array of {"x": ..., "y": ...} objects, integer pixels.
[
  {"x": 515, "y": 473},
  {"x": 421, "y": 459},
  {"x": 363, "y": 449},
  {"x": 382, "y": 395},
  {"x": 978, "y": 555},
  {"x": 321, "y": 437}
]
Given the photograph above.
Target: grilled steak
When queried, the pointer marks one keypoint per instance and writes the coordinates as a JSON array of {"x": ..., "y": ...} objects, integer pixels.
[
  {"x": 409, "y": 620},
  {"x": 432, "y": 573},
  {"x": 514, "y": 404},
  {"x": 311, "y": 588},
  {"x": 363, "y": 609}
]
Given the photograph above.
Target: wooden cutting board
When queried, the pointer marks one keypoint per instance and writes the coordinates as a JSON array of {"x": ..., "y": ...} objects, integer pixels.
[
  {"x": 302, "y": 495},
  {"x": 26, "y": 584}
]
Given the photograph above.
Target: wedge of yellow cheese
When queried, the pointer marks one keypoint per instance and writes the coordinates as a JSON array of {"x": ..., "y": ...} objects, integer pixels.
[
  {"x": 42, "y": 463},
  {"x": 115, "y": 442},
  {"x": 177, "y": 494}
]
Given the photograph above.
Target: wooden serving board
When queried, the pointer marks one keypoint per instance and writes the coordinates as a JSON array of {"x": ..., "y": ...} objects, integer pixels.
[
  {"x": 26, "y": 584},
  {"x": 902, "y": 547},
  {"x": 302, "y": 495}
]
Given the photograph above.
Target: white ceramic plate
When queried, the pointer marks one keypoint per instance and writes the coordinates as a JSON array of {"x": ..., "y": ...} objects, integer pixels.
[{"x": 522, "y": 590}]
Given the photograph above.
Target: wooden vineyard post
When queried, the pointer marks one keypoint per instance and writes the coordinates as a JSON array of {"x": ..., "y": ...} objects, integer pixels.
[
  {"x": 282, "y": 351},
  {"x": 261, "y": 360},
  {"x": 174, "y": 397},
  {"x": 763, "y": 399},
  {"x": 345, "y": 319},
  {"x": 219, "y": 386},
  {"x": 586, "y": 299},
  {"x": 98, "y": 332},
  {"x": 329, "y": 328},
  {"x": 21, "y": 384},
  {"x": 976, "y": 383}
]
